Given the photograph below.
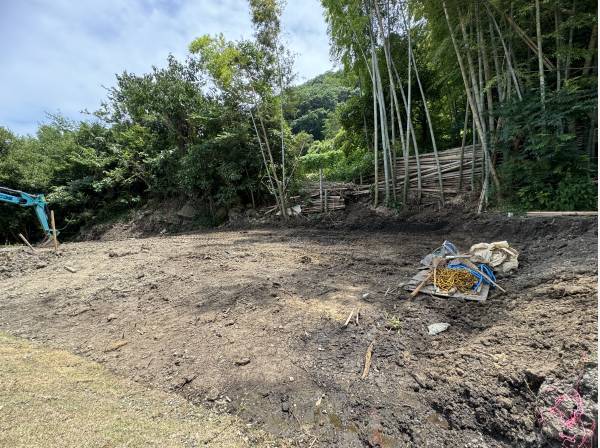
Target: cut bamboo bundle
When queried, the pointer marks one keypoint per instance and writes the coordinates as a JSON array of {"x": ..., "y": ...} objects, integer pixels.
[{"x": 455, "y": 167}]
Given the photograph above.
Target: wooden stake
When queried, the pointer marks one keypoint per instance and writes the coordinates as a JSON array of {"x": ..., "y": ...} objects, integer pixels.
[
  {"x": 54, "y": 230},
  {"x": 368, "y": 360},
  {"x": 26, "y": 242}
]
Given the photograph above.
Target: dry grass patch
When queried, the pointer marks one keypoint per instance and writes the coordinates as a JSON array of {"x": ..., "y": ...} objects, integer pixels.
[{"x": 51, "y": 398}]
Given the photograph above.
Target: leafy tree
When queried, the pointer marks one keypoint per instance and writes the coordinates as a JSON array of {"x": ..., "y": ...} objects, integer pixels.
[
  {"x": 253, "y": 77},
  {"x": 314, "y": 101}
]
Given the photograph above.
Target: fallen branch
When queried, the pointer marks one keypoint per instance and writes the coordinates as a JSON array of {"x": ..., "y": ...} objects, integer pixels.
[
  {"x": 26, "y": 242},
  {"x": 368, "y": 360},
  {"x": 77, "y": 313},
  {"x": 115, "y": 346},
  {"x": 349, "y": 317}
]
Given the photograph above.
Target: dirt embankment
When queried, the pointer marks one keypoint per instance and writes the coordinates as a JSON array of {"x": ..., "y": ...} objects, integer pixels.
[{"x": 250, "y": 322}]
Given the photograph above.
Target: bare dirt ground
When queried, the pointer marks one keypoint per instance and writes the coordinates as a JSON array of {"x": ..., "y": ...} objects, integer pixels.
[{"x": 249, "y": 322}]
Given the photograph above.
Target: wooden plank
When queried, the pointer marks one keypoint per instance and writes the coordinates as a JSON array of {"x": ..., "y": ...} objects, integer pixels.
[{"x": 550, "y": 214}]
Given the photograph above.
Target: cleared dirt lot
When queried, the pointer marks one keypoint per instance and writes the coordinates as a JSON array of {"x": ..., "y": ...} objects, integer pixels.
[{"x": 250, "y": 323}]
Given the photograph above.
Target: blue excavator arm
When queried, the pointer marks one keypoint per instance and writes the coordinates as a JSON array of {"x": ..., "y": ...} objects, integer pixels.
[{"x": 37, "y": 201}]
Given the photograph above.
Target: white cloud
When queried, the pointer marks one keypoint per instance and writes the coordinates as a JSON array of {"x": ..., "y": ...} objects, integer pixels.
[{"x": 57, "y": 54}]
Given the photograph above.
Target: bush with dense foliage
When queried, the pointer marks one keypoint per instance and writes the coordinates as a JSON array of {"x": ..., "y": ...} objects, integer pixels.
[{"x": 159, "y": 135}]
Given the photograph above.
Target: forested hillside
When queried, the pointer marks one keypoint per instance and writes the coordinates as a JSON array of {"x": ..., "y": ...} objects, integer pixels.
[{"x": 228, "y": 126}]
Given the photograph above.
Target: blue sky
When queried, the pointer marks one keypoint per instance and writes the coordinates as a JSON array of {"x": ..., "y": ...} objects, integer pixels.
[{"x": 58, "y": 54}]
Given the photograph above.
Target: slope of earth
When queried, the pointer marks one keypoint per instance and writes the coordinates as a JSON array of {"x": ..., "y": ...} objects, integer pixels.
[
  {"x": 250, "y": 323},
  {"x": 52, "y": 398}
]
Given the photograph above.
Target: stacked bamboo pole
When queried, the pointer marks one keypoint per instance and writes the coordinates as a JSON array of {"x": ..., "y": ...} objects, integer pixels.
[
  {"x": 329, "y": 204},
  {"x": 450, "y": 167},
  {"x": 324, "y": 197}
]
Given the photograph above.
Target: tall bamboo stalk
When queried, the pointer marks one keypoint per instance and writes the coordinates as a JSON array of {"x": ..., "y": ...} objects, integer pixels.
[
  {"x": 471, "y": 76},
  {"x": 394, "y": 99},
  {"x": 412, "y": 131},
  {"x": 496, "y": 59},
  {"x": 393, "y": 142},
  {"x": 281, "y": 118},
  {"x": 507, "y": 55},
  {"x": 375, "y": 142},
  {"x": 472, "y": 102},
  {"x": 378, "y": 92},
  {"x": 430, "y": 123},
  {"x": 479, "y": 95},
  {"x": 262, "y": 151},
  {"x": 487, "y": 77},
  {"x": 409, "y": 109},
  {"x": 280, "y": 188},
  {"x": 473, "y": 157},
  {"x": 538, "y": 30},
  {"x": 382, "y": 124},
  {"x": 524, "y": 37},
  {"x": 462, "y": 147},
  {"x": 569, "y": 47},
  {"x": 558, "y": 43}
]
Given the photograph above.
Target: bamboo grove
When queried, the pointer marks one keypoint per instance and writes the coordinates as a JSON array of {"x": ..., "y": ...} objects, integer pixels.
[{"x": 524, "y": 73}]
